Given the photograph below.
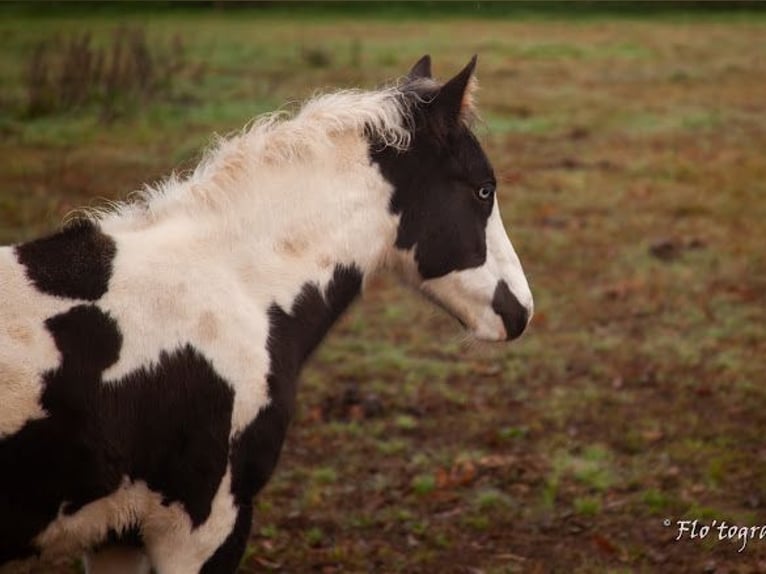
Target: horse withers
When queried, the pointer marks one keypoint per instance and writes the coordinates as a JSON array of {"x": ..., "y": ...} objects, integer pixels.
[{"x": 149, "y": 354}]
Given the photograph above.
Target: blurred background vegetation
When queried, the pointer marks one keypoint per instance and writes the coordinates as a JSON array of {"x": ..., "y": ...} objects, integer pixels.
[{"x": 628, "y": 139}]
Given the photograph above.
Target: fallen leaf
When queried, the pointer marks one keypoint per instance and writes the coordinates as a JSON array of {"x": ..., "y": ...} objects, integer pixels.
[
  {"x": 604, "y": 544},
  {"x": 497, "y": 460}
]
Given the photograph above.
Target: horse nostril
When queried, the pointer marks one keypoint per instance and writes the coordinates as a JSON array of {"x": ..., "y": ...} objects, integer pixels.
[{"x": 513, "y": 313}]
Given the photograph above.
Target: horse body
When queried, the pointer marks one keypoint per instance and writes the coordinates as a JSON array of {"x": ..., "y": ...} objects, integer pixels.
[{"x": 149, "y": 359}]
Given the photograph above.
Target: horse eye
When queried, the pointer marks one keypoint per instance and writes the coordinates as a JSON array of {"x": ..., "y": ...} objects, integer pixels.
[{"x": 485, "y": 192}]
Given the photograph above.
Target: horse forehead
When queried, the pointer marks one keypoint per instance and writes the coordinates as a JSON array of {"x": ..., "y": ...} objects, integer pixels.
[
  {"x": 476, "y": 153},
  {"x": 469, "y": 155},
  {"x": 458, "y": 155}
]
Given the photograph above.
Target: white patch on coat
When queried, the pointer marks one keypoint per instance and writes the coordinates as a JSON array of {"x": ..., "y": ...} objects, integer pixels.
[
  {"x": 174, "y": 546},
  {"x": 231, "y": 266},
  {"x": 70, "y": 534},
  {"x": 27, "y": 349},
  {"x": 274, "y": 140},
  {"x": 172, "y": 543}
]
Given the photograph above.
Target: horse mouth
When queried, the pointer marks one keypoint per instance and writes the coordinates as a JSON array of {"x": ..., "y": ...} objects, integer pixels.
[{"x": 474, "y": 329}]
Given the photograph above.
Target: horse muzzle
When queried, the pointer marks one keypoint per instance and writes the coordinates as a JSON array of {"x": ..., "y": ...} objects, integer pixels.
[{"x": 515, "y": 316}]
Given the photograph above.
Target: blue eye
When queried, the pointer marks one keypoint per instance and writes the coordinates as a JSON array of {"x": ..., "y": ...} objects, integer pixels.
[{"x": 485, "y": 192}]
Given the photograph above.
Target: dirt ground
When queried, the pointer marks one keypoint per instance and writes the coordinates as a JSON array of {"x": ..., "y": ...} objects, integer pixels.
[{"x": 630, "y": 153}]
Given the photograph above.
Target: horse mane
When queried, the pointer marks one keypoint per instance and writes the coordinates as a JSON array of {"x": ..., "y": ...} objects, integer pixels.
[{"x": 270, "y": 140}]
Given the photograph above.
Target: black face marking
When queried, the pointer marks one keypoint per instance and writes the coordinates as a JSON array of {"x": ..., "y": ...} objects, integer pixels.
[
  {"x": 167, "y": 425},
  {"x": 513, "y": 313},
  {"x": 435, "y": 182},
  {"x": 293, "y": 336},
  {"x": 75, "y": 263}
]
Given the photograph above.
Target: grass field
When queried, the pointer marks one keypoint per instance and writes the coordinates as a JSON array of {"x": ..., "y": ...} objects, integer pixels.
[{"x": 632, "y": 159}]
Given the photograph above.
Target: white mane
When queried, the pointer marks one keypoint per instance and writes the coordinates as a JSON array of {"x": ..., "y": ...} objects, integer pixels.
[{"x": 273, "y": 139}]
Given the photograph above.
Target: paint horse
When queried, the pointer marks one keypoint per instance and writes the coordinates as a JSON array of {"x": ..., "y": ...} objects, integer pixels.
[{"x": 149, "y": 354}]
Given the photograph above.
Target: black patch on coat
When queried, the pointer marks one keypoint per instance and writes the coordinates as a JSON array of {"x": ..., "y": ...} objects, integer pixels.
[
  {"x": 167, "y": 424},
  {"x": 513, "y": 313},
  {"x": 435, "y": 182},
  {"x": 75, "y": 263},
  {"x": 227, "y": 557},
  {"x": 293, "y": 336}
]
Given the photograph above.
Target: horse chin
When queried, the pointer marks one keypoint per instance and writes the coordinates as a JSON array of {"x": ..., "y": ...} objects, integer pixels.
[
  {"x": 484, "y": 326},
  {"x": 488, "y": 333}
]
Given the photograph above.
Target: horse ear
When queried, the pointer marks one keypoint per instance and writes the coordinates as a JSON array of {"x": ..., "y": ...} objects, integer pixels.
[
  {"x": 456, "y": 96},
  {"x": 421, "y": 69}
]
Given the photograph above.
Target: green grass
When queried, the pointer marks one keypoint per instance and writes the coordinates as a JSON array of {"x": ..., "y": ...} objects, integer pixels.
[
  {"x": 587, "y": 505},
  {"x": 423, "y": 484}
]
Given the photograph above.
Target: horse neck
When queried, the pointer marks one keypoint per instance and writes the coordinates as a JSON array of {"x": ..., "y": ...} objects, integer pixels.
[
  {"x": 277, "y": 226},
  {"x": 302, "y": 238}
]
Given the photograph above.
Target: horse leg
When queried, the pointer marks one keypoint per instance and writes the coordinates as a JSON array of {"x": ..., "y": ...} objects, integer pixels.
[
  {"x": 228, "y": 555},
  {"x": 117, "y": 559},
  {"x": 215, "y": 547}
]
